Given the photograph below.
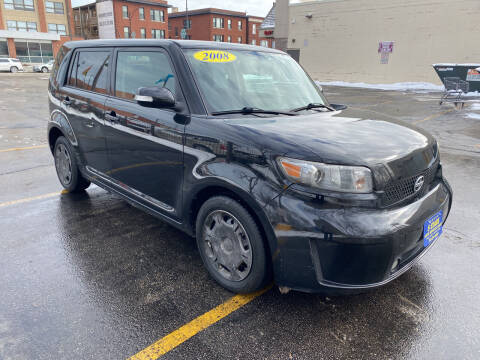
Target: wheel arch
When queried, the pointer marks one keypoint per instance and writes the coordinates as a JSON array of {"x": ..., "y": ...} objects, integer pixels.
[
  {"x": 204, "y": 193},
  {"x": 53, "y": 134}
]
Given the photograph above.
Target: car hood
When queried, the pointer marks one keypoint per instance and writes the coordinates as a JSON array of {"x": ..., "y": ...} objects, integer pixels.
[{"x": 351, "y": 137}]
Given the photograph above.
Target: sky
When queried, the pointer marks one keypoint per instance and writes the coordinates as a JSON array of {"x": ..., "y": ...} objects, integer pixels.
[{"x": 252, "y": 7}]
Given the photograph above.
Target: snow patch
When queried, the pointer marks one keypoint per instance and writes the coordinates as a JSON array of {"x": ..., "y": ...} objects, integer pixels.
[
  {"x": 473, "y": 116},
  {"x": 404, "y": 86},
  {"x": 475, "y": 106}
]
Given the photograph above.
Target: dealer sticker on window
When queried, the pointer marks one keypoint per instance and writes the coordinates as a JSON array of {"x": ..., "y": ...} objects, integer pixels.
[
  {"x": 432, "y": 229},
  {"x": 214, "y": 56}
]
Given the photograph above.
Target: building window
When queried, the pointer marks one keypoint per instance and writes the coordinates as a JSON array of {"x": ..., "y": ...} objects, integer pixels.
[
  {"x": 187, "y": 25},
  {"x": 34, "y": 51},
  {"x": 229, "y": 24},
  {"x": 26, "y": 5},
  {"x": 254, "y": 29},
  {"x": 126, "y": 32},
  {"x": 176, "y": 31},
  {"x": 21, "y": 26},
  {"x": 239, "y": 25},
  {"x": 125, "y": 11},
  {"x": 264, "y": 43},
  {"x": 218, "y": 38},
  {"x": 218, "y": 23},
  {"x": 157, "y": 15},
  {"x": 239, "y": 39},
  {"x": 141, "y": 13},
  {"x": 158, "y": 34},
  {"x": 254, "y": 42},
  {"x": 273, "y": 44},
  {"x": 143, "y": 35},
  {"x": 229, "y": 39},
  {"x": 54, "y": 7},
  {"x": 60, "y": 29}
]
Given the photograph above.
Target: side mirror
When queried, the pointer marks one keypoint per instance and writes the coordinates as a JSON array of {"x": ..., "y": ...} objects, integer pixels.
[
  {"x": 338, "y": 106},
  {"x": 155, "y": 96}
]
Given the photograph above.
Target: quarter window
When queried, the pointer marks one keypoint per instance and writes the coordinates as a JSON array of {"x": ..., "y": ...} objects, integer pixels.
[
  {"x": 158, "y": 34},
  {"x": 141, "y": 69},
  {"x": 26, "y": 5},
  {"x": 157, "y": 15},
  {"x": 54, "y": 7},
  {"x": 89, "y": 71},
  {"x": 60, "y": 29}
]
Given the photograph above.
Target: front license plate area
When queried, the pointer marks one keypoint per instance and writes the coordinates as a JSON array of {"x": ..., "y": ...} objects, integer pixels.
[{"x": 432, "y": 228}]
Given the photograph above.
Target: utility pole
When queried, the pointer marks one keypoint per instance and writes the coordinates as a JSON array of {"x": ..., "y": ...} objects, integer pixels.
[{"x": 187, "y": 27}]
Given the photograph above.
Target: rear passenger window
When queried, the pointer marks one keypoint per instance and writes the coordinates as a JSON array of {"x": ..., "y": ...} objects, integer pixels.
[
  {"x": 141, "y": 69},
  {"x": 90, "y": 70}
]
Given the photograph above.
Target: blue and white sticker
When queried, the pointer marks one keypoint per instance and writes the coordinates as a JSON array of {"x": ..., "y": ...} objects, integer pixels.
[{"x": 432, "y": 229}]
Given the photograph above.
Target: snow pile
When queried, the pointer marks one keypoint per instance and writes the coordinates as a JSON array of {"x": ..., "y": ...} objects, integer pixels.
[
  {"x": 405, "y": 86},
  {"x": 473, "y": 116},
  {"x": 475, "y": 106}
]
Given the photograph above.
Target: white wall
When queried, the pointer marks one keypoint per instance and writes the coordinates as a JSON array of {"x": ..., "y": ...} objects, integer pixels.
[{"x": 340, "y": 41}]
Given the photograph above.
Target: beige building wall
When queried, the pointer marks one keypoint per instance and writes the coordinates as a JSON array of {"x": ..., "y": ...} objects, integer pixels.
[{"x": 338, "y": 39}]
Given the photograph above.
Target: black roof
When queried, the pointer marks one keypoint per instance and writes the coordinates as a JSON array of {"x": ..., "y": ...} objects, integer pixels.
[{"x": 185, "y": 44}]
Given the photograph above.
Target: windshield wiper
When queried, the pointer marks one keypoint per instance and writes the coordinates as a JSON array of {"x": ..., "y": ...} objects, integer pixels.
[
  {"x": 312, "y": 106},
  {"x": 250, "y": 110}
]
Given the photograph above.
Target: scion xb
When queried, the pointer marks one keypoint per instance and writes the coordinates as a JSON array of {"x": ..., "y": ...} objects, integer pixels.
[{"x": 237, "y": 146}]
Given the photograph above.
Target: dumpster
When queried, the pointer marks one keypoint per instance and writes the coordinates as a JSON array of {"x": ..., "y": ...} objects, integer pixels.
[{"x": 466, "y": 72}]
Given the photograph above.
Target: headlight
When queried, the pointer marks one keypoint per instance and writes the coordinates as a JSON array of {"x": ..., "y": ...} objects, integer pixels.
[{"x": 354, "y": 179}]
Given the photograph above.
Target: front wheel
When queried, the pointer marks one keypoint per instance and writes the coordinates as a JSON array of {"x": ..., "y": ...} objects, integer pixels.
[
  {"x": 231, "y": 245},
  {"x": 13, "y": 69},
  {"x": 66, "y": 166}
]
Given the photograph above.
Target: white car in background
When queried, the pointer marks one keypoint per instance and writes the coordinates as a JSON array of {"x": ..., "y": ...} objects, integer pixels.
[
  {"x": 10, "y": 64},
  {"x": 47, "y": 67}
]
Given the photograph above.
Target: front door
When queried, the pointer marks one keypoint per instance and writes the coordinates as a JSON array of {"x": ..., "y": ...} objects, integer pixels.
[
  {"x": 145, "y": 144},
  {"x": 83, "y": 100}
]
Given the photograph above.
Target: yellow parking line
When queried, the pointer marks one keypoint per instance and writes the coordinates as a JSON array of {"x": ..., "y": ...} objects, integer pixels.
[
  {"x": 33, "y": 198},
  {"x": 24, "y": 148},
  {"x": 433, "y": 116},
  {"x": 182, "y": 334}
]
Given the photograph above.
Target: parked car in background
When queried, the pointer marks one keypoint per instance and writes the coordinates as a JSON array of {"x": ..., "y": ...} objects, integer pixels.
[
  {"x": 45, "y": 68},
  {"x": 10, "y": 64}
]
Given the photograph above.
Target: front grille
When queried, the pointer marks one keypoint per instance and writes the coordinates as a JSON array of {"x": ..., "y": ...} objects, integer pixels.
[{"x": 402, "y": 189}]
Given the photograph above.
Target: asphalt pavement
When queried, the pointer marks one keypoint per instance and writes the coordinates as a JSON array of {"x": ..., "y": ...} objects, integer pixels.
[{"x": 86, "y": 276}]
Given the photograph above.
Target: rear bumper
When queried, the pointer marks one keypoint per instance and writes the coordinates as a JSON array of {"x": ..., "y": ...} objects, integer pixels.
[{"x": 326, "y": 248}]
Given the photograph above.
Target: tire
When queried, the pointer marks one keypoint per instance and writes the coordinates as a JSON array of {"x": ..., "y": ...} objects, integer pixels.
[
  {"x": 14, "y": 69},
  {"x": 44, "y": 69},
  {"x": 231, "y": 245},
  {"x": 67, "y": 168}
]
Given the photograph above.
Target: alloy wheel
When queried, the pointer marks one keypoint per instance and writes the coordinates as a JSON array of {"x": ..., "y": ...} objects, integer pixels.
[{"x": 63, "y": 164}]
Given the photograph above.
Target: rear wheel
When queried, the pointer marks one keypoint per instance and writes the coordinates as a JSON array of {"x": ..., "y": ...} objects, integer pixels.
[
  {"x": 231, "y": 245},
  {"x": 67, "y": 168},
  {"x": 44, "y": 69},
  {"x": 14, "y": 69}
]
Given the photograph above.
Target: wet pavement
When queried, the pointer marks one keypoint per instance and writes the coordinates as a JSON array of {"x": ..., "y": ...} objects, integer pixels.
[{"x": 88, "y": 276}]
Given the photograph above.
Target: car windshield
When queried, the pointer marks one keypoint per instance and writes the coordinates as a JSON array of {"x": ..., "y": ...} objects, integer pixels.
[{"x": 233, "y": 80}]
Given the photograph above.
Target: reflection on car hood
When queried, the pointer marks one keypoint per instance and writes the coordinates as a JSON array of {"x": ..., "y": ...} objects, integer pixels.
[{"x": 351, "y": 137}]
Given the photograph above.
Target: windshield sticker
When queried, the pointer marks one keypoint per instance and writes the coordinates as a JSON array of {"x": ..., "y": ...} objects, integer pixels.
[{"x": 214, "y": 56}]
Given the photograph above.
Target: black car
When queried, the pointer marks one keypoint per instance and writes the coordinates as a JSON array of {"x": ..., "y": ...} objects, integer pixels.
[{"x": 235, "y": 145}]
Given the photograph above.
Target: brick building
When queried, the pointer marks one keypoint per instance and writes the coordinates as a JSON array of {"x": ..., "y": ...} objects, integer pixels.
[
  {"x": 33, "y": 30},
  {"x": 217, "y": 25},
  {"x": 139, "y": 19},
  {"x": 254, "y": 32}
]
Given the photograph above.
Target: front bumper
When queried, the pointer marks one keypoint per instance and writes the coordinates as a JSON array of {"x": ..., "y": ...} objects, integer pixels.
[{"x": 323, "y": 247}]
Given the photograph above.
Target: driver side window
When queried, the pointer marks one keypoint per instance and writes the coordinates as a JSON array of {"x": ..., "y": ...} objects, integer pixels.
[{"x": 137, "y": 69}]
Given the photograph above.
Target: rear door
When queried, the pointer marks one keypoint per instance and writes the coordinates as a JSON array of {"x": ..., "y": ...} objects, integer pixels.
[
  {"x": 145, "y": 144},
  {"x": 83, "y": 100}
]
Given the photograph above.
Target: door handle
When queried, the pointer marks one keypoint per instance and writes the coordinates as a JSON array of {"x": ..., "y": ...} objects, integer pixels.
[
  {"x": 67, "y": 101},
  {"x": 111, "y": 116}
]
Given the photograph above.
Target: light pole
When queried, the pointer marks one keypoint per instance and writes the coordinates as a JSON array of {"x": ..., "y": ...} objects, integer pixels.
[{"x": 187, "y": 25}]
